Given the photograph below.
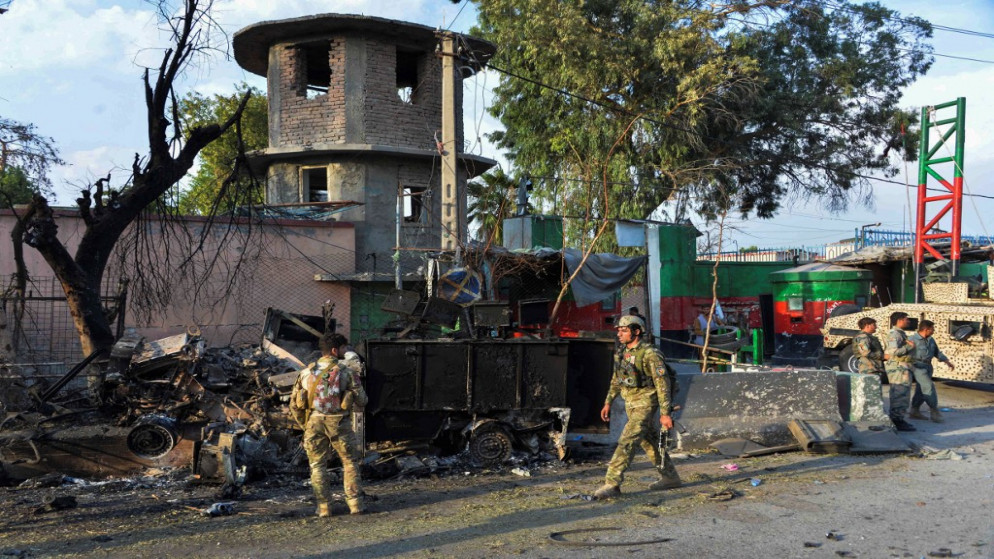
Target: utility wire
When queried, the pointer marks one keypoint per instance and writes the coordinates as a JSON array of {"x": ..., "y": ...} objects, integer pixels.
[{"x": 910, "y": 21}]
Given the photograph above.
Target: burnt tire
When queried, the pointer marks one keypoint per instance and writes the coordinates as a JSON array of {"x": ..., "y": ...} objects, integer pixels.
[
  {"x": 848, "y": 361},
  {"x": 490, "y": 446},
  {"x": 723, "y": 336},
  {"x": 842, "y": 310}
]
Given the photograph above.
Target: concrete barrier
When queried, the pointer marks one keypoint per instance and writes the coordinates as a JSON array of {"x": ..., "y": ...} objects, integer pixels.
[{"x": 753, "y": 405}]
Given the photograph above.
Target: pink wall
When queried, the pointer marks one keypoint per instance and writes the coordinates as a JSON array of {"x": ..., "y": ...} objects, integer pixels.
[{"x": 280, "y": 259}]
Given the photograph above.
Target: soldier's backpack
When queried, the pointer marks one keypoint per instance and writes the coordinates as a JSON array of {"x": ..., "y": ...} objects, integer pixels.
[{"x": 670, "y": 372}]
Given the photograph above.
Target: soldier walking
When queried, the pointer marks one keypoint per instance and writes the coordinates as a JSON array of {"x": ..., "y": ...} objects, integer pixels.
[
  {"x": 641, "y": 378},
  {"x": 322, "y": 401},
  {"x": 925, "y": 350},
  {"x": 899, "y": 358}
]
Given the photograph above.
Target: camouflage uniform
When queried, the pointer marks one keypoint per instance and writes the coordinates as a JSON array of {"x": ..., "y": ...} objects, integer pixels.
[
  {"x": 640, "y": 378},
  {"x": 871, "y": 354},
  {"x": 898, "y": 373},
  {"x": 925, "y": 350},
  {"x": 329, "y": 389}
]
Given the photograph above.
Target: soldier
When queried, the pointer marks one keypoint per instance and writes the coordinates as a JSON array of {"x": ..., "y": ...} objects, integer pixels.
[
  {"x": 925, "y": 350},
  {"x": 322, "y": 401},
  {"x": 641, "y": 378},
  {"x": 867, "y": 347},
  {"x": 899, "y": 356}
]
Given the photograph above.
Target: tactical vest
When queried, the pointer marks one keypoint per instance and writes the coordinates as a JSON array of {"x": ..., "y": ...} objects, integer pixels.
[{"x": 632, "y": 374}]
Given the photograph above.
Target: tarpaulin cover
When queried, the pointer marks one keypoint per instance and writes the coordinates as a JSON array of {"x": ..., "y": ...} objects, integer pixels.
[{"x": 601, "y": 276}]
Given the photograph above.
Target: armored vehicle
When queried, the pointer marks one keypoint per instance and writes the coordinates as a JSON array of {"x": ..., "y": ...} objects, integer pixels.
[{"x": 963, "y": 327}]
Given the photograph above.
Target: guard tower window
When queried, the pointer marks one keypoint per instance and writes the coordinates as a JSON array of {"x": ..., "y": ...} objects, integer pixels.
[
  {"x": 414, "y": 204},
  {"x": 407, "y": 75},
  {"x": 314, "y": 184},
  {"x": 315, "y": 63}
]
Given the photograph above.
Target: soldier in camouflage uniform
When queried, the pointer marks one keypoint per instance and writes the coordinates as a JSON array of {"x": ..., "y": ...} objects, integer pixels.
[
  {"x": 640, "y": 377},
  {"x": 867, "y": 347},
  {"x": 899, "y": 356},
  {"x": 322, "y": 401},
  {"x": 925, "y": 350}
]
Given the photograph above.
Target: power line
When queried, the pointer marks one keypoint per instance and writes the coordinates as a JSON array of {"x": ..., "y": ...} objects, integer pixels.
[
  {"x": 630, "y": 113},
  {"x": 910, "y": 21}
]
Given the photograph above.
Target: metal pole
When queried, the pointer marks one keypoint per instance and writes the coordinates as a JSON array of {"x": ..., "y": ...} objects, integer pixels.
[
  {"x": 919, "y": 252},
  {"x": 400, "y": 217},
  {"x": 958, "y": 182}
]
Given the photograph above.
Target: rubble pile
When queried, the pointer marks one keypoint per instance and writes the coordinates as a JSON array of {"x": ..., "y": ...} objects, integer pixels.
[{"x": 168, "y": 402}]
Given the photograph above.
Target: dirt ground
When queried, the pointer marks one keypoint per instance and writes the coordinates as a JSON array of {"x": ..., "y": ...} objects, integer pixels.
[{"x": 871, "y": 506}]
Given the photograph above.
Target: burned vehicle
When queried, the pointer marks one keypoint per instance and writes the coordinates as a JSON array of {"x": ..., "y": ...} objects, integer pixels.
[
  {"x": 491, "y": 394},
  {"x": 222, "y": 411},
  {"x": 963, "y": 331}
]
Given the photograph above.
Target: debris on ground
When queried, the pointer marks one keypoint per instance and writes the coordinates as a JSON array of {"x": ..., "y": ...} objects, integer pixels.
[
  {"x": 220, "y": 509},
  {"x": 57, "y": 504},
  {"x": 945, "y": 454}
]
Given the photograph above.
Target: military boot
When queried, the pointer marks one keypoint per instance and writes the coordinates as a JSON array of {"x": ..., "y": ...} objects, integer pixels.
[
  {"x": 902, "y": 425},
  {"x": 916, "y": 413},
  {"x": 666, "y": 482},
  {"x": 324, "y": 510},
  {"x": 936, "y": 417},
  {"x": 607, "y": 491},
  {"x": 356, "y": 506}
]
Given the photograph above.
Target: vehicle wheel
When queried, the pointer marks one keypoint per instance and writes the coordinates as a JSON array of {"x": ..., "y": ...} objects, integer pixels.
[
  {"x": 843, "y": 310},
  {"x": 848, "y": 361},
  {"x": 490, "y": 446}
]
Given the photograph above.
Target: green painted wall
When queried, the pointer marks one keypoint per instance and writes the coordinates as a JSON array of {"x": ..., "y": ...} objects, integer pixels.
[
  {"x": 547, "y": 231},
  {"x": 737, "y": 279},
  {"x": 678, "y": 257},
  {"x": 682, "y": 275},
  {"x": 367, "y": 320},
  {"x": 822, "y": 290}
]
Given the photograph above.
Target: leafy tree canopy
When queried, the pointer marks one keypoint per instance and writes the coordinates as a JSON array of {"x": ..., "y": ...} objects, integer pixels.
[
  {"x": 15, "y": 187},
  {"x": 25, "y": 157},
  {"x": 729, "y": 106},
  {"x": 208, "y": 191},
  {"x": 490, "y": 201}
]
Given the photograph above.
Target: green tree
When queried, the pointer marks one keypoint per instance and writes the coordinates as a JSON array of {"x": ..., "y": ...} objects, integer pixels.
[
  {"x": 736, "y": 105},
  {"x": 25, "y": 157},
  {"x": 213, "y": 188},
  {"x": 15, "y": 187},
  {"x": 490, "y": 202}
]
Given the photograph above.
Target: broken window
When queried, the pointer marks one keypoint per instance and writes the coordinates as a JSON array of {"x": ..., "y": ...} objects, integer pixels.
[
  {"x": 407, "y": 75},
  {"x": 315, "y": 63},
  {"x": 414, "y": 204},
  {"x": 962, "y": 330},
  {"x": 314, "y": 184}
]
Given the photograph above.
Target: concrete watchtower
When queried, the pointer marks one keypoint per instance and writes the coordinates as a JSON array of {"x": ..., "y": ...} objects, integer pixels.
[{"x": 355, "y": 113}]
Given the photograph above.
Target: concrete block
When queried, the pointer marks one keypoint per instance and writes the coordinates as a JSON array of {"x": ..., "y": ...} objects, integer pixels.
[
  {"x": 860, "y": 397},
  {"x": 753, "y": 405}
]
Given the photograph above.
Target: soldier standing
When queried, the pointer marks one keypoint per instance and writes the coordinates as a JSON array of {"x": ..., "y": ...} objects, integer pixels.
[
  {"x": 899, "y": 357},
  {"x": 640, "y": 377},
  {"x": 322, "y": 402},
  {"x": 867, "y": 347},
  {"x": 925, "y": 350}
]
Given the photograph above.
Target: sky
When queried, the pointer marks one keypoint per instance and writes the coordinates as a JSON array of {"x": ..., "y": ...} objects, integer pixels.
[{"x": 73, "y": 68}]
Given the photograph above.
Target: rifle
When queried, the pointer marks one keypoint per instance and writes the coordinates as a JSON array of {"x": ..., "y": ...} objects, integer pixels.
[{"x": 664, "y": 435}]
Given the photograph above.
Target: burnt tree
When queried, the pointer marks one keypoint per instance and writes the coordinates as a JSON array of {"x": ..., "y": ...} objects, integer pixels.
[{"x": 106, "y": 212}]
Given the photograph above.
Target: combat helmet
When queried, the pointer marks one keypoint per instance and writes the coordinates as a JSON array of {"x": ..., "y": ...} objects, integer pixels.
[{"x": 631, "y": 320}]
